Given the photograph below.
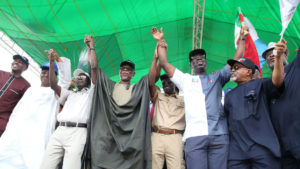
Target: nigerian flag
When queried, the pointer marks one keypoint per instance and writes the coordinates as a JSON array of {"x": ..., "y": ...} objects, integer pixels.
[{"x": 254, "y": 46}]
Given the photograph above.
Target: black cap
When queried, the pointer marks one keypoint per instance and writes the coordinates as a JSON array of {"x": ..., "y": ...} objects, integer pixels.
[
  {"x": 24, "y": 59},
  {"x": 197, "y": 52},
  {"x": 129, "y": 63},
  {"x": 163, "y": 77},
  {"x": 244, "y": 61}
]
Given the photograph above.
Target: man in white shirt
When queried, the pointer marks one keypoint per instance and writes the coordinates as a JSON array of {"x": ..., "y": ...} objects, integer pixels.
[
  {"x": 206, "y": 133},
  {"x": 69, "y": 139}
]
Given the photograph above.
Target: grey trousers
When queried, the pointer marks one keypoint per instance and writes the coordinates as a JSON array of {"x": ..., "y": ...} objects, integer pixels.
[{"x": 206, "y": 152}]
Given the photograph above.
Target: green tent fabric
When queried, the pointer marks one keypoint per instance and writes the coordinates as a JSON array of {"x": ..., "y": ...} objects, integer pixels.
[{"x": 122, "y": 29}]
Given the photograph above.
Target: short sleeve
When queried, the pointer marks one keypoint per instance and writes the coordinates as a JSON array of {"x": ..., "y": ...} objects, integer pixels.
[
  {"x": 178, "y": 79},
  {"x": 154, "y": 98},
  {"x": 224, "y": 75}
]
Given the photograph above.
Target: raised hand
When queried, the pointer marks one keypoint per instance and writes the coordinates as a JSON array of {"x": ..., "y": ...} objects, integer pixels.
[
  {"x": 52, "y": 54},
  {"x": 163, "y": 44},
  {"x": 89, "y": 41},
  {"x": 156, "y": 34},
  {"x": 244, "y": 31},
  {"x": 280, "y": 47}
]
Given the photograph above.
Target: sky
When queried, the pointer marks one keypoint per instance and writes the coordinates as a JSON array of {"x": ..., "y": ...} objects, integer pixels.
[{"x": 7, "y": 50}]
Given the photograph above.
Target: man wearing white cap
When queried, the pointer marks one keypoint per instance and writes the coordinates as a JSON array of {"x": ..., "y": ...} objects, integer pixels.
[
  {"x": 285, "y": 111},
  {"x": 69, "y": 139}
]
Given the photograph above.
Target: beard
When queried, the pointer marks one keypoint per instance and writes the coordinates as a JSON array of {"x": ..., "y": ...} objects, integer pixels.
[
  {"x": 284, "y": 61},
  {"x": 233, "y": 76}
]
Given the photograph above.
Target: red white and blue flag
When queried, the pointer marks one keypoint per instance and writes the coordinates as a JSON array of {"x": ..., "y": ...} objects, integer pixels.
[{"x": 254, "y": 46}]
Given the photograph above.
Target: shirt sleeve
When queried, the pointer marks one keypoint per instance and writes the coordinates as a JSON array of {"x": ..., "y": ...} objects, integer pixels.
[
  {"x": 178, "y": 79},
  {"x": 154, "y": 98},
  {"x": 64, "y": 72},
  {"x": 64, "y": 93},
  {"x": 272, "y": 91},
  {"x": 224, "y": 75}
]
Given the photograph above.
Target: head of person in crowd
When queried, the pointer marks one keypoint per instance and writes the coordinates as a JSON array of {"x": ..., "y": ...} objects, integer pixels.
[
  {"x": 270, "y": 57},
  {"x": 19, "y": 65},
  {"x": 126, "y": 72},
  {"x": 45, "y": 79},
  {"x": 82, "y": 79},
  {"x": 256, "y": 74},
  {"x": 197, "y": 59},
  {"x": 242, "y": 70},
  {"x": 168, "y": 86}
]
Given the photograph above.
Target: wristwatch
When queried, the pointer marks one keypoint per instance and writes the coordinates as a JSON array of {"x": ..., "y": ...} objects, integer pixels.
[{"x": 242, "y": 38}]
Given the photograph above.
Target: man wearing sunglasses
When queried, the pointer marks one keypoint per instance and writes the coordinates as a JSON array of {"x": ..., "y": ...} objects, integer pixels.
[
  {"x": 68, "y": 140},
  {"x": 285, "y": 111},
  {"x": 206, "y": 134},
  {"x": 253, "y": 141}
]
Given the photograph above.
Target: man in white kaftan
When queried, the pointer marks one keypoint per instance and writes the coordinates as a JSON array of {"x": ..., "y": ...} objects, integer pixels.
[{"x": 32, "y": 122}]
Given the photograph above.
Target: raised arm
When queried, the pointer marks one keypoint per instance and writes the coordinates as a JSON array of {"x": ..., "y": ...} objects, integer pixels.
[
  {"x": 239, "y": 52},
  {"x": 278, "y": 72},
  {"x": 92, "y": 57},
  {"x": 53, "y": 83},
  {"x": 162, "y": 52},
  {"x": 153, "y": 74}
]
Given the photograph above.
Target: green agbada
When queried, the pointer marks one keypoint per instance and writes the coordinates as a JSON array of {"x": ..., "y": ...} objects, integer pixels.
[{"x": 119, "y": 137}]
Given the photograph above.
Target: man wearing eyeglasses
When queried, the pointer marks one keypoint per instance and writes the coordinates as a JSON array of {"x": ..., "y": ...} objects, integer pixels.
[
  {"x": 68, "y": 140},
  {"x": 206, "y": 133},
  {"x": 253, "y": 141},
  {"x": 285, "y": 111}
]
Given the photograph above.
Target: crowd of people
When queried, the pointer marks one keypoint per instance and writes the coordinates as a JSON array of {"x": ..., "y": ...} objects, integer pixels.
[{"x": 92, "y": 122}]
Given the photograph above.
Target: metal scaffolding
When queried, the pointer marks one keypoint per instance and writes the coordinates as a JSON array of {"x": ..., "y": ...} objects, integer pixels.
[
  {"x": 198, "y": 23},
  {"x": 13, "y": 48}
]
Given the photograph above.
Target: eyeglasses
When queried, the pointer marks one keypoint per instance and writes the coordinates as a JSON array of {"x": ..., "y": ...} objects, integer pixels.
[
  {"x": 126, "y": 68},
  {"x": 198, "y": 57},
  {"x": 81, "y": 77},
  {"x": 237, "y": 67}
]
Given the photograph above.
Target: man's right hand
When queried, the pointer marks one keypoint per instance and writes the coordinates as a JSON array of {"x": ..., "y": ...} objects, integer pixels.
[
  {"x": 52, "y": 54},
  {"x": 156, "y": 34},
  {"x": 244, "y": 31},
  {"x": 280, "y": 47}
]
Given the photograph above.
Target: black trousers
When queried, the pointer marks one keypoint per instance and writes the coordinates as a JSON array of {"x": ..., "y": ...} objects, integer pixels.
[
  {"x": 291, "y": 158},
  {"x": 257, "y": 157}
]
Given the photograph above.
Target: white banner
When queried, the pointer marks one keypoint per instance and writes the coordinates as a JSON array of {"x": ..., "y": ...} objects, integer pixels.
[{"x": 287, "y": 10}]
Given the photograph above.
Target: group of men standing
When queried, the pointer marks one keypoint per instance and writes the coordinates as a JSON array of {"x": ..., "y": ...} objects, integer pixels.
[{"x": 104, "y": 124}]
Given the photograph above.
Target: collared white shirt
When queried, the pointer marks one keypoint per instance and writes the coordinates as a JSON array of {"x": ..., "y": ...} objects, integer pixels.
[
  {"x": 77, "y": 106},
  {"x": 194, "y": 100}
]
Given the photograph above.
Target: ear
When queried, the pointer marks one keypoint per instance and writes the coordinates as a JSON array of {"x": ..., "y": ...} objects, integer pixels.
[{"x": 133, "y": 73}]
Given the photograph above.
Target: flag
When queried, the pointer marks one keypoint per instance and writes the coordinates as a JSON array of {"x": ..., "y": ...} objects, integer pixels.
[
  {"x": 287, "y": 10},
  {"x": 254, "y": 46}
]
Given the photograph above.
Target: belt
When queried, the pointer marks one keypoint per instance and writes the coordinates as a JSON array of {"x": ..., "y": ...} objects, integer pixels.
[
  {"x": 72, "y": 124},
  {"x": 168, "y": 131}
]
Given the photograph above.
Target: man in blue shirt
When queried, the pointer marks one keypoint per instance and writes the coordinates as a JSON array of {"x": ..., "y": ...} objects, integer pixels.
[
  {"x": 285, "y": 111},
  {"x": 253, "y": 141}
]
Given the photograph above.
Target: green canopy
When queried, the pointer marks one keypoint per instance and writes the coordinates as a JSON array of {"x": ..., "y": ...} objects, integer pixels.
[{"x": 123, "y": 29}]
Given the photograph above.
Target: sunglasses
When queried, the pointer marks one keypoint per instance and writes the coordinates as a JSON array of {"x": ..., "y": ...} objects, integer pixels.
[
  {"x": 237, "y": 67},
  {"x": 81, "y": 77},
  {"x": 126, "y": 68}
]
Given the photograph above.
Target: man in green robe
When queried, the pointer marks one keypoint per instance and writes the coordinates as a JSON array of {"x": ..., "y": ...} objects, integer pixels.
[{"x": 119, "y": 129}]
